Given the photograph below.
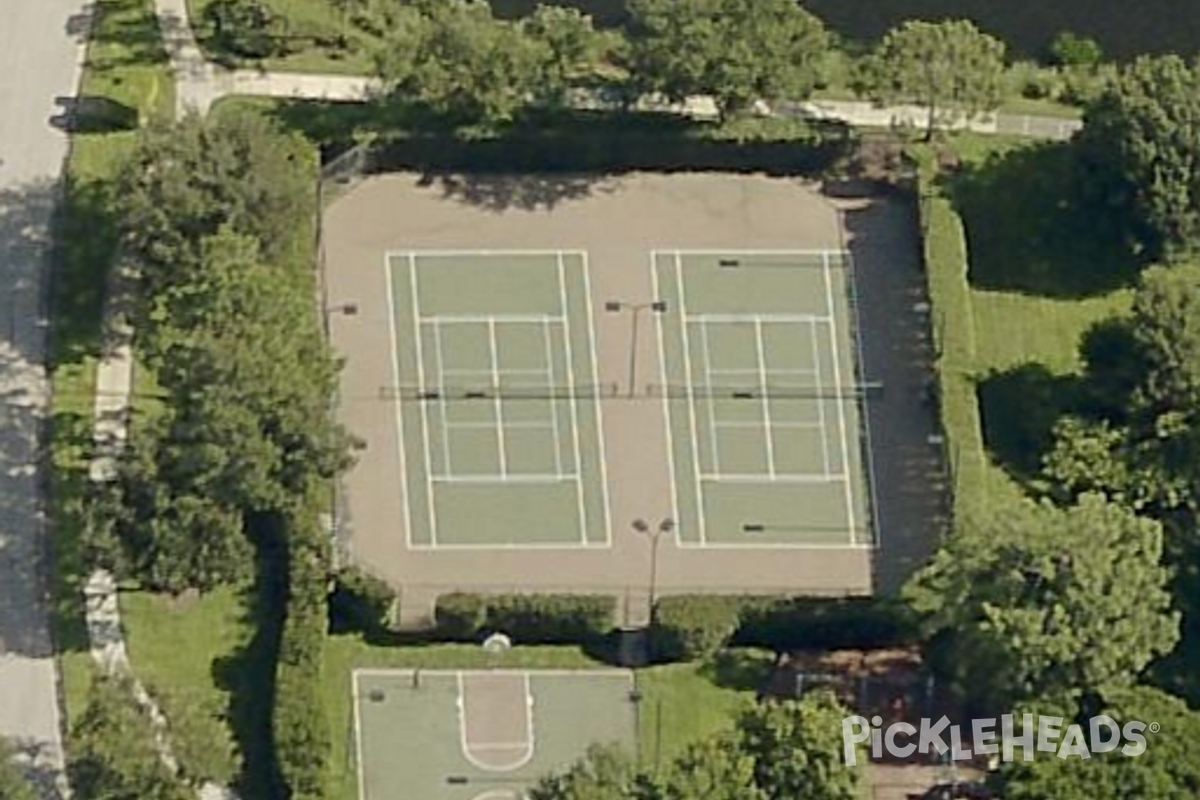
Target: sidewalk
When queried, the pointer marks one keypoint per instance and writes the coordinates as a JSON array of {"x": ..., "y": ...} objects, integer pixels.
[{"x": 200, "y": 83}]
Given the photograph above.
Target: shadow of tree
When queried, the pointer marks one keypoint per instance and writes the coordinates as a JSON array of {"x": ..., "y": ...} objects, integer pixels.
[
  {"x": 1027, "y": 231},
  {"x": 86, "y": 244},
  {"x": 94, "y": 114},
  {"x": 249, "y": 676},
  {"x": 741, "y": 669},
  {"x": 1019, "y": 408},
  {"x": 128, "y": 37},
  {"x": 525, "y": 192}
]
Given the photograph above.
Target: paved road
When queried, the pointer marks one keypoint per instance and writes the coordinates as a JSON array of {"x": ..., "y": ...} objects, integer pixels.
[{"x": 41, "y": 45}]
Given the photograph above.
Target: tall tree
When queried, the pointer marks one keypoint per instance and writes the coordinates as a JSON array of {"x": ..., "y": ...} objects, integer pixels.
[
  {"x": 950, "y": 68},
  {"x": 715, "y": 768},
  {"x": 796, "y": 749},
  {"x": 571, "y": 49},
  {"x": 247, "y": 427},
  {"x": 455, "y": 58},
  {"x": 1166, "y": 325},
  {"x": 189, "y": 180},
  {"x": 737, "y": 51},
  {"x": 1140, "y": 152},
  {"x": 1034, "y": 600},
  {"x": 1169, "y": 769},
  {"x": 603, "y": 774}
]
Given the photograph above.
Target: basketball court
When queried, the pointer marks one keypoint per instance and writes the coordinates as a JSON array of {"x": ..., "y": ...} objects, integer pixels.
[{"x": 481, "y": 735}]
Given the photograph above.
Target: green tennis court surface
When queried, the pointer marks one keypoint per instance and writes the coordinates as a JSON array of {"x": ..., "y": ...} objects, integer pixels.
[
  {"x": 764, "y": 403},
  {"x": 495, "y": 370},
  {"x": 484, "y": 735}
]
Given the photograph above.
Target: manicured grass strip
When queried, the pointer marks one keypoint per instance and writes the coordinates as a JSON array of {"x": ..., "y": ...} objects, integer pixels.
[
  {"x": 684, "y": 703},
  {"x": 192, "y": 649}
]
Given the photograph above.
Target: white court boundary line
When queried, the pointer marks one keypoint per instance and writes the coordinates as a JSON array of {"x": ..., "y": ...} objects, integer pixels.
[
  {"x": 824, "y": 266},
  {"x": 569, "y": 353},
  {"x": 415, "y": 302},
  {"x": 591, "y": 326},
  {"x": 659, "y": 326},
  {"x": 465, "y": 746},
  {"x": 874, "y": 518},
  {"x": 411, "y": 256},
  {"x": 394, "y": 346},
  {"x": 841, "y": 410},
  {"x": 687, "y": 359}
]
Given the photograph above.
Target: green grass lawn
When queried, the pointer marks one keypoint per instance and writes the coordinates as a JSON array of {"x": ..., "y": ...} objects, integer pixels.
[
  {"x": 305, "y": 20},
  {"x": 1019, "y": 277},
  {"x": 190, "y": 649},
  {"x": 125, "y": 69}
]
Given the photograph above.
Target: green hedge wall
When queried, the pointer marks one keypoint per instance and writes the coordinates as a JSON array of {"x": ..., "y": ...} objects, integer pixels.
[
  {"x": 360, "y": 602},
  {"x": 691, "y": 627},
  {"x": 300, "y": 721},
  {"x": 527, "y": 618}
]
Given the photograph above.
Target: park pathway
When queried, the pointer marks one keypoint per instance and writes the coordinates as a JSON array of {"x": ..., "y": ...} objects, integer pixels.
[{"x": 200, "y": 83}]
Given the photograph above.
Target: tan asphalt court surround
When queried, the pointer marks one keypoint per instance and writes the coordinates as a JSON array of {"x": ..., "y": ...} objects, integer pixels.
[{"x": 618, "y": 221}]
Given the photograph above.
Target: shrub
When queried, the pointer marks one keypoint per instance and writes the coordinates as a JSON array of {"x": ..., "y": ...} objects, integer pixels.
[
  {"x": 360, "y": 601},
  {"x": 459, "y": 615},
  {"x": 826, "y": 624},
  {"x": 551, "y": 618},
  {"x": 691, "y": 627},
  {"x": 529, "y": 618},
  {"x": 300, "y": 724},
  {"x": 1072, "y": 50}
]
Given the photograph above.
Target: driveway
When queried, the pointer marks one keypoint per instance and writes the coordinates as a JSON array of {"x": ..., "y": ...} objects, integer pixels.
[{"x": 41, "y": 43}]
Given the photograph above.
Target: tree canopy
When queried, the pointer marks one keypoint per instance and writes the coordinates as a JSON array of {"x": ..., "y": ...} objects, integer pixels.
[
  {"x": 233, "y": 342},
  {"x": 1169, "y": 769},
  {"x": 1035, "y": 600},
  {"x": 112, "y": 753},
  {"x": 777, "y": 750},
  {"x": 737, "y": 51},
  {"x": 457, "y": 60},
  {"x": 1140, "y": 151},
  {"x": 950, "y": 67},
  {"x": 187, "y": 181}
]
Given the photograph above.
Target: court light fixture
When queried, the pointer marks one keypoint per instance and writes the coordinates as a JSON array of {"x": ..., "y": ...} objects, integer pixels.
[
  {"x": 345, "y": 309},
  {"x": 728, "y": 263},
  {"x": 754, "y": 527}
]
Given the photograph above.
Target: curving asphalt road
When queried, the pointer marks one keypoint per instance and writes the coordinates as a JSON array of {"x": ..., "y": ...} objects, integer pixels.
[{"x": 41, "y": 49}]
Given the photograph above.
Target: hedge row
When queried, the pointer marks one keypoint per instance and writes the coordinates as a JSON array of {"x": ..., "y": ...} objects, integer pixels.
[
  {"x": 360, "y": 602},
  {"x": 528, "y": 618},
  {"x": 945, "y": 254},
  {"x": 615, "y": 142},
  {"x": 689, "y": 627},
  {"x": 300, "y": 722}
]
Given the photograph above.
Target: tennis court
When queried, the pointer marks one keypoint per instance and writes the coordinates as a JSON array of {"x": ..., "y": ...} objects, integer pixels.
[
  {"x": 498, "y": 399},
  {"x": 481, "y": 735},
  {"x": 764, "y": 402}
]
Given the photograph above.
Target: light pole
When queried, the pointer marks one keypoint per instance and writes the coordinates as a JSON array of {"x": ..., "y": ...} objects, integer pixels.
[
  {"x": 345, "y": 309},
  {"x": 665, "y": 526},
  {"x": 616, "y": 307}
]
